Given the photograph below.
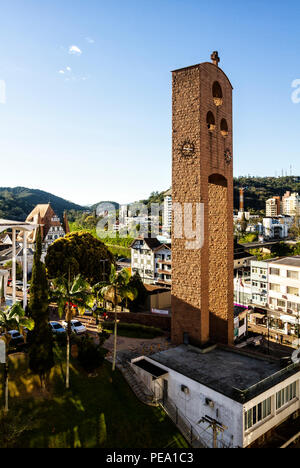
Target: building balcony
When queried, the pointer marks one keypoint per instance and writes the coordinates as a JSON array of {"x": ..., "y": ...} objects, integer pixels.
[
  {"x": 165, "y": 262},
  {"x": 164, "y": 282},
  {"x": 164, "y": 272}
]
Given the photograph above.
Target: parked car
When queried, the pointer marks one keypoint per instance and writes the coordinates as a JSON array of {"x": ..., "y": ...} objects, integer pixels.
[
  {"x": 76, "y": 327},
  {"x": 19, "y": 285},
  {"x": 57, "y": 328},
  {"x": 16, "y": 338}
]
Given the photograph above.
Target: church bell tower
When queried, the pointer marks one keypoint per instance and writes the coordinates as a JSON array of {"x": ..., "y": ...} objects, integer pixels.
[{"x": 202, "y": 172}]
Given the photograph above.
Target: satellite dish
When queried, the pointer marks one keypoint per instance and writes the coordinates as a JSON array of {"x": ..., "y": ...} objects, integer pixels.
[{"x": 296, "y": 356}]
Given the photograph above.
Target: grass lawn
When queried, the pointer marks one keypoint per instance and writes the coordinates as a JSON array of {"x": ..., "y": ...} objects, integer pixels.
[{"x": 98, "y": 411}]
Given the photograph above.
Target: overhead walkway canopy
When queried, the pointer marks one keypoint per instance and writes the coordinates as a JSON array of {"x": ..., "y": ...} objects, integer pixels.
[{"x": 14, "y": 227}]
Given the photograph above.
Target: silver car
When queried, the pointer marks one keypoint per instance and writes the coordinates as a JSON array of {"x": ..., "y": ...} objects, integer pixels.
[{"x": 76, "y": 327}]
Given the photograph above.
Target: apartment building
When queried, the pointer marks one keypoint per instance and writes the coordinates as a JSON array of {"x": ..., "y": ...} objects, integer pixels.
[
  {"x": 273, "y": 207},
  {"x": 167, "y": 212},
  {"x": 152, "y": 260},
  {"x": 284, "y": 291},
  {"x": 259, "y": 283},
  {"x": 291, "y": 204}
]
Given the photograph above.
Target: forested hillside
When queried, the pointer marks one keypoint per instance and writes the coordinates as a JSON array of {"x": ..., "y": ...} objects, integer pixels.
[
  {"x": 16, "y": 203},
  {"x": 259, "y": 189}
]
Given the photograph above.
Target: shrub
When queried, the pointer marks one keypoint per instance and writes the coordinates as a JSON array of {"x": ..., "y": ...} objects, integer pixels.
[{"x": 90, "y": 355}]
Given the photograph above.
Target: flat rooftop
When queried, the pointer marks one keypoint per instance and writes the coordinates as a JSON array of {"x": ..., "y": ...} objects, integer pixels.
[
  {"x": 236, "y": 375},
  {"x": 288, "y": 261}
]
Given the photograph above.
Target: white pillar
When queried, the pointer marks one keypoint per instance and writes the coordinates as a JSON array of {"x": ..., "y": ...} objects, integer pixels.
[
  {"x": 14, "y": 264},
  {"x": 25, "y": 269}
]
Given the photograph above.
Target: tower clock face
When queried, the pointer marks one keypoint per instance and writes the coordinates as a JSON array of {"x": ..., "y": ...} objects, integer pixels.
[{"x": 187, "y": 149}]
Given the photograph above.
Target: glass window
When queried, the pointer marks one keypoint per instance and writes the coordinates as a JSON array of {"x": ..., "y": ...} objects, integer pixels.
[
  {"x": 285, "y": 395},
  {"x": 293, "y": 274},
  {"x": 258, "y": 413},
  {"x": 274, "y": 271},
  {"x": 293, "y": 291},
  {"x": 275, "y": 287}
]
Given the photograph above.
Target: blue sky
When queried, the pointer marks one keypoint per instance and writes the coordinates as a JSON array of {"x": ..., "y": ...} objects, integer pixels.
[{"x": 102, "y": 130}]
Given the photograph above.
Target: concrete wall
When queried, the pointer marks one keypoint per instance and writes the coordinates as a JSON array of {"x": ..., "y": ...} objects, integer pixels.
[
  {"x": 227, "y": 411},
  {"x": 277, "y": 416},
  {"x": 193, "y": 405},
  {"x": 160, "y": 300}
]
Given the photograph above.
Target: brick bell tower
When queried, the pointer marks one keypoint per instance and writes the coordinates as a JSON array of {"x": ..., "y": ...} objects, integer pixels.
[{"x": 202, "y": 279}]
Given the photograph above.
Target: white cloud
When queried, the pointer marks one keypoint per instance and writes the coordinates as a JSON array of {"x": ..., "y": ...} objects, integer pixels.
[
  {"x": 74, "y": 50},
  {"x": 61, "y": 72},
  {"x": 68, "y": 69},
  {"x": 90, "y": 40}
]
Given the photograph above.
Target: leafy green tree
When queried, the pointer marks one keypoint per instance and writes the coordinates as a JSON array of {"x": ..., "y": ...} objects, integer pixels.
[
  {"x": 19, "y": 269},
  {"x": 297, "y": 249},
  {"x": 118, "y": 290},
  {"x": 141, "y": 293},
  {"x": 41, "y": 358},
  {"x": 295, "y": 228},
  {"x": 79, "y": 253},
  {"x": 65, "y": 292},
  {"x": 12, "y": 318},
  {"x": 90, "y": 355}
]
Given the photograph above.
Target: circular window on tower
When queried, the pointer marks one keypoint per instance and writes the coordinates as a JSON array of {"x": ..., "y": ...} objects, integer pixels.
[
  {"x": 224, "y": 128},
  {"x": 210, "y": 121},
  {"x": 217, "y": 94}
]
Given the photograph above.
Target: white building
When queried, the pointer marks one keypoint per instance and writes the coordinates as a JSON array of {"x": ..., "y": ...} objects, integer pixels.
[
  {"x": 291, "y": 204},
  {"x": 273, "y": 207},
  {"x": 242, "y": 291},
  {"x": 152, "y": 260},
  {"x": 167, "y": 212},
  {"x": 248, "y": 397},
  {"x": 259, "y": 283},
  {"x": 284, "y": 289},
  {"x": 123, "y": 213},
  {"x": 277, "y": 228}
]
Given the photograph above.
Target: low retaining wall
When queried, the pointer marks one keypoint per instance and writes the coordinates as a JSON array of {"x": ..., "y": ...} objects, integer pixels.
[{"x": 143, "y": 319}]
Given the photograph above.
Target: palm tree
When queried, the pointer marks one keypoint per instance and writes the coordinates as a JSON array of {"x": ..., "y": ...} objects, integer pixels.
[
  {"x": 65, "y": 292},
  {"x": 12, "y": 318},
  {"x": 118, "y": 290}
]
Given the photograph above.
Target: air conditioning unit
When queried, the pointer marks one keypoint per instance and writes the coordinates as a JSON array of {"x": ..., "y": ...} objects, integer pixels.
[
  {"x": 209, "y": 403},
  {"x": 185, "y": 389}
]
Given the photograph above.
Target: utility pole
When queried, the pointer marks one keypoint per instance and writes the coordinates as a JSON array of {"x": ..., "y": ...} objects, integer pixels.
[{"x": 216, "y": 427}]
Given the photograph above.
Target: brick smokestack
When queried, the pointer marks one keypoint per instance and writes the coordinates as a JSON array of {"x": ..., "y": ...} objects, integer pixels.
[{"x": 242, "y": 200}]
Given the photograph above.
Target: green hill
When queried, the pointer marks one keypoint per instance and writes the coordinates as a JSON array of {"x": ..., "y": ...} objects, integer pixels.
[
  {"x": 16, "y": 203},
  {"x": 260, "y": 189}
]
